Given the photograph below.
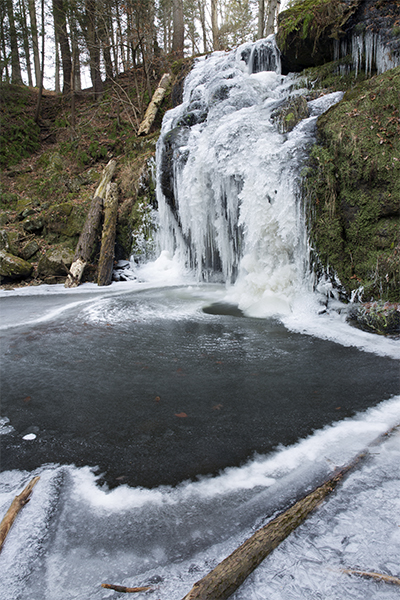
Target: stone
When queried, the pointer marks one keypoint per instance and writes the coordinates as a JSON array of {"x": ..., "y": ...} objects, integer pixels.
[
  {"x": 33, "y": 224},
  {"x": 54, "y": 262},
  {"x": 9, "y": 241},
  {"x": 13, "y": 267},
  {"x": 29, "y": 249}
]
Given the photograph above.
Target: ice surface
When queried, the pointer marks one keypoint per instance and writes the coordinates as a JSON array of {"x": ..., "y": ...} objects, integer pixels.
[{"x": 73, "y": 535}]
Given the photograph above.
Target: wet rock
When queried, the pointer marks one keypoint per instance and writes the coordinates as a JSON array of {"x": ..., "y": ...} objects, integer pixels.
[
  {"x": 55, "y": 262},
  {"x": 290, "y": 113},
  {"x": 14, "y": 267},
  {"x": 377, "y": 317}
]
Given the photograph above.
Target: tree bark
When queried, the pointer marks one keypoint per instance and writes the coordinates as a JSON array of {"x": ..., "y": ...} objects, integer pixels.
[
  {"x": 35, "y": 40},
  {"x": 60, "y": 21},
  {"x": 16, "y": 505},
  {"x": 231, "y": 572},
  {"x": 122, "y": 588},
  {"x": 214, "y": 25},
  {"x": 178, "y": 36},
  {"x": 106, "y": 259},
  {"x": 273, "y": 9},
  {"x": 261, "y": 19},
  {"x": 154, "y": 104},
  {"x": 15, "y": 63},
  {"x": 25, "y": 37},
  {"x": 88, "y": 236},
  {"x": 40, "y": 93}
]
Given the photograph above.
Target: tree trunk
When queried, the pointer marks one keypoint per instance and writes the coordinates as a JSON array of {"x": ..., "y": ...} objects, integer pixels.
[
  {"x": 35, "y": 40},
  {"x": 88, "y": 236},
  {"x": 154, "y": 104},
  {"x": 231, "y": 572},
  {"x": 178, "y": 37},
  {"x": 214, "y": 24},
  {"x": 60, "y": 20},
  {"x": 40, "y": 93},
  {"x": 273, "y": 10},
  {"x": 202, "y": 14},
  {"x": 92, "y": 41},
  {"x": 16, "y": 505},
  {"x": 261, "y": 19},
  {"x": 106, "y": 259},
  {"x": 25, "y": 37},
  {"x": 15, "y": 63}
]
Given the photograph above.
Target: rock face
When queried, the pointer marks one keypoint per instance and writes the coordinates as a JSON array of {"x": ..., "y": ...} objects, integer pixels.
[
  {"x": 352, "y": 188},
  {"x": 365, "y": 33}
]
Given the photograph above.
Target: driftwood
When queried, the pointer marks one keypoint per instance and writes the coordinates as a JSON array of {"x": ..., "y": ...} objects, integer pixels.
[
  {"x": 16, "y": 505},
  {"x": 229, "y": 574},
  {"x": 108, "y": 236},
  {"x": 88, "y": 236},
  {"x": 154, "y": 104},
  {"x": 372, "y": 575},
  {"x": 122, "y": 588}
]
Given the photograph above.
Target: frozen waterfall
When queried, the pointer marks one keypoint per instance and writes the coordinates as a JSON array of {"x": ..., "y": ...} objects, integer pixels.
[{"x": 227, "y": 178}]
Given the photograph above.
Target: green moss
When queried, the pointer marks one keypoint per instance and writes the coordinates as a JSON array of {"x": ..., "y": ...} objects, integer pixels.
[
  {"x": 353, "y": 188},
  {"x": 310, "y": 18}
]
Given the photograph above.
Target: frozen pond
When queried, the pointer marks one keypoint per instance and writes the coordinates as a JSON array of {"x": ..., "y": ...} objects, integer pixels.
[{"x": 202, "y": 426}]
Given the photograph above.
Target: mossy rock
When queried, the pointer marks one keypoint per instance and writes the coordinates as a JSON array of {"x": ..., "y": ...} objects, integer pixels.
[
  {"x": 377, "y": 317},
  {"x": 290, "y": 113},
  {"x": 308, "y": 29},
  {"x": 352, "y": 188},
  {"x": 14, "y": 267},
  {"x": 65, "y": 220},
  {"x": 55, "y": 262}
]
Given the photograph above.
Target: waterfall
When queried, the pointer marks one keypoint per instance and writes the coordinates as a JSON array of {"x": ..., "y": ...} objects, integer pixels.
[{"x": 227, "y": 178}]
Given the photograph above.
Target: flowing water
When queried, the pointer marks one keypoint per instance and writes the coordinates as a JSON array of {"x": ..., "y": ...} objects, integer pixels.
[{"x": 170, "y": 416}]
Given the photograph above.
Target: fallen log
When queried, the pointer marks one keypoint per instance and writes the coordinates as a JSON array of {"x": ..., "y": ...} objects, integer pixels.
[
  {"x": 88, "y": 236},
  {"x": 16, "y": 505},
  {"x": 108, "y": 236},
  {"x": 154, "y": 104},
  {"x": 125, "y": 590},
  {"x": 372, "y": 575},
  {"x": 229, "y": 574}
]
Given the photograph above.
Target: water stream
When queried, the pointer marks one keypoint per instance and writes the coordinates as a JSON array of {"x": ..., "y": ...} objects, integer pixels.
[{"x": 172, "y": 415}]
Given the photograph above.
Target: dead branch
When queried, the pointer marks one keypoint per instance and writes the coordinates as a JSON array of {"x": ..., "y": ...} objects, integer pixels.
[
  {"x": 126, "y": 590},
  {"x": 372, "y": 575},
  {"x": 16, "y": 505}
]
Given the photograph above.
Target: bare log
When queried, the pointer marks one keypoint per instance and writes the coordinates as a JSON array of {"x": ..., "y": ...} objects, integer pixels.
[
  {"x": 372, "y": 575},
  {"x": 108, "y": 236},
  {"x": 16, "y": 505},
  {"x": 122, "y": 588},
  {"x": 229, "y": 574},
  {"x": 154, "y": 104},
  {"x": 88, "y": 236}
]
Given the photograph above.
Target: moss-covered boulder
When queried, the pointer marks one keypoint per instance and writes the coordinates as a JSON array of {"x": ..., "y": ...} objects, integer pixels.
[
  {"x": 377, "y": 317},
  {"x": 13, "y": 267},
  {"x": 352, "y": 188},
  {"x": 55, "y": 262}
]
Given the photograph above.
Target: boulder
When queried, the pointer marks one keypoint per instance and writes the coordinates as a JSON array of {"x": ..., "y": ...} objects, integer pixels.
[
  {"x": 55, "y": 262},
  {"x": 29, "y": 249},
  {"x": 33, "y": 224},
  {"x": 13, "y": 267}
]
